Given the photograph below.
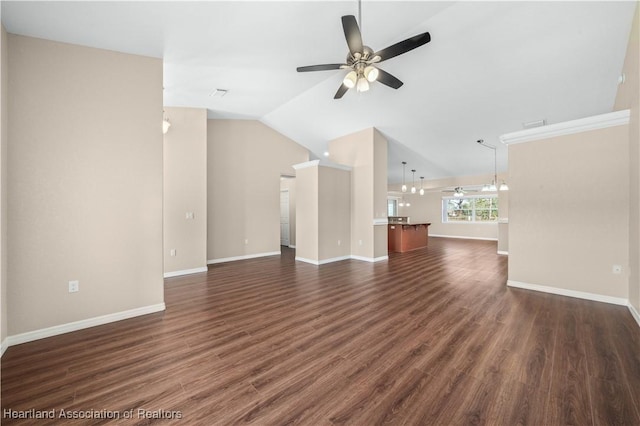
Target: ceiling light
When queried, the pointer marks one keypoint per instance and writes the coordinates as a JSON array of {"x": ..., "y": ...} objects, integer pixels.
[
  {"x": 326, "y": 153},
  {"x": 371, "y": 73},
  {"x": 363, "y": 85},
  {"x": 404, "y": 186},
  {"x": 413, "y": 185},
  {"x": 421, "y": 188},
  {"x": 350, "y": 79}
]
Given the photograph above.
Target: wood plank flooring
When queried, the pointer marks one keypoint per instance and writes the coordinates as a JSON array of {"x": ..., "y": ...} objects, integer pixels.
[{"x": 431, "y": 337}]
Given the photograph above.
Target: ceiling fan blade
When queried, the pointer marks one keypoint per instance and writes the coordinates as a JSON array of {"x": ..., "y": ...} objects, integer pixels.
[
  {"x": 403, "y": 46},
  {"x": 341, "y": 91},
  {"x": 323, "y": 67},
  {"x": 388, "y": 79},
  {"x": 352, "y": 34}
]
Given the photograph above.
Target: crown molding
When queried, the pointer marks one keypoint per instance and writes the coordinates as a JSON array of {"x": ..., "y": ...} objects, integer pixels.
[
  {"x": 321, "y": 163},
  {"x": 602, "y": 121}
]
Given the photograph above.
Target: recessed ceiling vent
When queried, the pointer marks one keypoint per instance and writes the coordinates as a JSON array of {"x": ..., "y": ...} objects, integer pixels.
[
  {"x": 532, "y": 124},
  {"x": 218, "y": 93}
]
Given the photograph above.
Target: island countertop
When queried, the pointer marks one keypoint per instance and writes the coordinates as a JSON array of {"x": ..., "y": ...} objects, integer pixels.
[{"x": 404, "y": 236}]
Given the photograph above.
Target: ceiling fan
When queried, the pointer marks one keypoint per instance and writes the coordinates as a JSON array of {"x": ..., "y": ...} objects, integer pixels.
[
  {"x": 361, "y": 59},
  {"x": 459, "y": 191}
]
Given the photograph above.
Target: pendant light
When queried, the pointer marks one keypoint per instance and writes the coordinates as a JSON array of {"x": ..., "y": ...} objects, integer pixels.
[
  {"x": 404, "y": 186},
  {"x": 421, "y": 188},
  {"x": 493, "y": 187},
  {"x": 413, "y": 180}
]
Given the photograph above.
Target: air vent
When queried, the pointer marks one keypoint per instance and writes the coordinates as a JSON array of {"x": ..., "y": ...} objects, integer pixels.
[
  {"x": 532, "y": 124},
  {"x": 218, "y": 93}
]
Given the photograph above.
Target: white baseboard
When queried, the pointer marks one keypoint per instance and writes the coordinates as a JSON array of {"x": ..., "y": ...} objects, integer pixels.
[
  {"x": 3, "y": 347},
  {"x": 79, "y": 325},
  {"x": 634, "y": 313},
  {"x": 323, "y": 261},
  {"x": 185, "y": 272},
  {"x": 244, "y": 257},
  {"x": 504, "y": 253},
  {"x": 570, "y": 293},
  {"x": 338, "y": 259},
  {"x": 463, "y": 238},
  {"x": 370, "y": 259}
]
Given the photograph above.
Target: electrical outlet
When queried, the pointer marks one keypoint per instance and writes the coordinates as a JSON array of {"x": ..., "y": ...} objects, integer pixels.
[
  {"x": 173, "y": 252},
  {"x": 74, "y": 286},
  {"x": 246, "y": 241},
  {"x": 189, "y": 215},
  {"x": 617, "y": 269},
  {"x": 339, "y": 242},
  {"x": 360, "y": 242}
]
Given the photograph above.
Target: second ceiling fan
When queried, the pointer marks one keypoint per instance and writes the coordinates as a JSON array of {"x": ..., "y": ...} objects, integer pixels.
[{"x": 362, "y": 60}]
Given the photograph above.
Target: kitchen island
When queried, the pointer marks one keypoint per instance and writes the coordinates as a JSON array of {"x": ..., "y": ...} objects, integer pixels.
[{"x": 405, "y": 237}]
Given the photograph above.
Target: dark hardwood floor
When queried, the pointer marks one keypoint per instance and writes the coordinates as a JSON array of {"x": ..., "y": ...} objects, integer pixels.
[{"x": 431, "y": 337}]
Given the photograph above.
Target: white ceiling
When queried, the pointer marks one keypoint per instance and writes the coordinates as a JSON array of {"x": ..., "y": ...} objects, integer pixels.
[{"x": 489, "y": 68}]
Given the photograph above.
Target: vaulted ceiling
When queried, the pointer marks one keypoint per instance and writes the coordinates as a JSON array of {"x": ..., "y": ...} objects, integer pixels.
[{"x": 489, "y": 68}]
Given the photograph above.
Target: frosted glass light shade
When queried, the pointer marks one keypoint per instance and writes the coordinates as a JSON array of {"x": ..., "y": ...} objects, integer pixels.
[
  {"x": 350, "y": 79},
  {"x": 363, "y": 84},
  {"x": 371, "y": 73}
]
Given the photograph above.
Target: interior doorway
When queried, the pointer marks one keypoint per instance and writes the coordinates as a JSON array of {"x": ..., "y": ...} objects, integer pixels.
[{"x": 285, "y": 236}]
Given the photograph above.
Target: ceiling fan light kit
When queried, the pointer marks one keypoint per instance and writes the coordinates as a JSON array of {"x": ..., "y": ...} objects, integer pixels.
[{"x": 361, "y": 59}]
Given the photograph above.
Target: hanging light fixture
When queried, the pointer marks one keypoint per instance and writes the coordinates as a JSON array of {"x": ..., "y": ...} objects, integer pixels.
[
  {"x": 404, "y": 186},
  {"x": 408, "y": 204},
  {"x": 401, "y": 203},
  {"x": 421, "y": 188},
  {"x": 458, "y": 192},
  {"x": 494, "y": 182},
  {"x": 413, "y": 179}
]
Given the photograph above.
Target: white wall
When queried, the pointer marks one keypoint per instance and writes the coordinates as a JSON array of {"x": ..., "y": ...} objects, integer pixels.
[
  {"x": 84, "y": 183},
  {"x": 185, "y": 191}
]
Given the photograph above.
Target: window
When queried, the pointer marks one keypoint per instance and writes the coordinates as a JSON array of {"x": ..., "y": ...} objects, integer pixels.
[
  {"x": 474, "y": 208},
  {"x": 392, "y": 207}
]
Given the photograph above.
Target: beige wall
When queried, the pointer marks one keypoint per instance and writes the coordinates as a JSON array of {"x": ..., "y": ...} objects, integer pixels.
[
  {"x": 627, "y": 98},
  {"x": 366, "y": 153},
  {"x": 324, "y": 212},
  {"x": 307, "y": 210},
  {"x": 569, "y": 212},
  {"x": 185, "y": 190},
  {"x": 4, "y": 84},
  {"x": 84, "y": 183},
  {"x": 428, "y": 207},
  {"x": 334, "y": 213},
  {"x": 245, "y": 161}
]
